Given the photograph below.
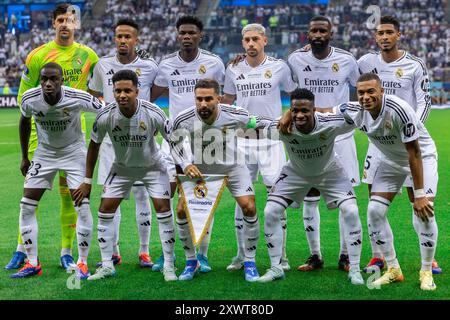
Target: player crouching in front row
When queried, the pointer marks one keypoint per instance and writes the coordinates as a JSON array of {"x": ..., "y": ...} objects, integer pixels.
[
  {"x": 309, "y": 140},
  {"x": 131, "y": 123},
  {"x": 56, "y": 110}
]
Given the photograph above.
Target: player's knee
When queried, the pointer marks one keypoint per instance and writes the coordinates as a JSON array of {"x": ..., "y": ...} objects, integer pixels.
[
  {"x": 140, "y": 194},
  {"x": 273, "y": 212},
  {"x": 163, "y": 206},
  {"x": 377, "y": 209},
  {"x": 181, "y": 214},
  {"x": 349, "y": 211},
  {"x": 107, "y": 207},
  {"x": 249, "y": 208}
]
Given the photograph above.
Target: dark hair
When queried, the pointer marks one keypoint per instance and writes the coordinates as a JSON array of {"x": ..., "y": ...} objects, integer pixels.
[
  {"x": 208, "y": 84},
  {"x": 302, "y": 93},
  {"x": 390, "y": 20},
  {"x": 125, "y": 75},
  {"x": 127, "y": 22},
  {"x": 61, "y": 8},
  {"x": 190, "y": 20},
  {"x": 368, "y": 76},
  {"x": 321, "y": 18},
  {"x": 53, "y": 65}
]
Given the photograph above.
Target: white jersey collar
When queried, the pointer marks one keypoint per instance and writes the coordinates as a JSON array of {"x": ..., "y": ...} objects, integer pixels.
[{"x": 125, "y": 64}]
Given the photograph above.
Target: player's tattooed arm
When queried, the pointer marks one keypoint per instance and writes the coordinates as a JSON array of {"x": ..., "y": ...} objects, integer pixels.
[
  {"x": 422, "y": 206},
  {"x": 24, "y": 132},
  {"x": 238, "y": 58},
  {"x": 84, "y": 190}
]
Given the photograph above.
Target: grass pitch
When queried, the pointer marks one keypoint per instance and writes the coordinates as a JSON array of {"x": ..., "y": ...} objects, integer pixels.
[{"x": 133, "y": 282}]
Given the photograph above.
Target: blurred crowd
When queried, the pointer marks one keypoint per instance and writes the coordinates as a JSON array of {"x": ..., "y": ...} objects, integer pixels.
[{"x": 425, "y": 30}]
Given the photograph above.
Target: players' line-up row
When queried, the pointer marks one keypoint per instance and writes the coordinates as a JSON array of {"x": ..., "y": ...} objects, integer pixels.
[{"x": 406, "y": 151}]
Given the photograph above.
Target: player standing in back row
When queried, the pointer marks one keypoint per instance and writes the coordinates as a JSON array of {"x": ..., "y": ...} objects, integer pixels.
[
  {"x": 256, "y": 83},
  {"x": 402, "y": 75},
  {"x": 178, "y": 73},
  {"x": 77, "y": 62},
  {"x": 327, "y": 72},
  {"x": 126, "y": 38}
]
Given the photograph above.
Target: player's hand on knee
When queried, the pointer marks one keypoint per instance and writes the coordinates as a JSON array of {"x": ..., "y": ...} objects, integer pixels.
[
  {"x": 285, "y": 123},
  {"x": 83, "y": 191},
  {"x": 423, "y": 208},
  {"x": 193, "y": 172},
  {"x": 24, "y": 166}
]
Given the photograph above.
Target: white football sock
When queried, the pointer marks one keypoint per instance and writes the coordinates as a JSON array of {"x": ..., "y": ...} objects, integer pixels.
[
  {"x": 239, "y": 224},
  {"x": 204, "y": 245},
  {"x": 105, "y": 237},
  {"x": 380, "y": 230},
  {"x": 143, "y": 217},
  {"x": 311, "y": 221},
  {"x": 167, "y": 236},
  {"x": 284, "y": 228},
  {"x": 428, "y": 234},
  {"x": 21, "y": 248},
  {"x": 29, "y": 228},
  {"x": 117, "y": 219},
  {"x": 251, "y": 237},
  {"x": 343, "y": 244},
  {"x": 84, "y": 230},
  {"x": 352, "y": 231},
  {"x": 273, "y": 231},
  {"x": 186, "y": 239}
]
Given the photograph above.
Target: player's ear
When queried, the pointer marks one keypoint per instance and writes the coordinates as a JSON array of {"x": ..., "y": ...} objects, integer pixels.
[{"x": 219, "y": 98}]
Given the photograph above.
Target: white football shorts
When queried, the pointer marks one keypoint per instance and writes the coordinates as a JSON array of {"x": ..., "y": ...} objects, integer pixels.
[
  {"x": 46, "y": 163},
  {"x": 334, "y": 185}
]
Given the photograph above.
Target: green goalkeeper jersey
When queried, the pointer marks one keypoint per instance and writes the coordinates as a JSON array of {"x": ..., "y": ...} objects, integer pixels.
[{"x": 77, "y": 62}]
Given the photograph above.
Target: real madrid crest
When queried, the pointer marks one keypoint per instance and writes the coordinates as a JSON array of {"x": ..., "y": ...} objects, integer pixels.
[
  {"x": 399, "y": 72},
  {"x": 202, "y": 69},
  {"x": 335, "y": 67},
  {"x": 138, "y": 72},
  {"x": 388, "y": 125},
  {"x": 79, "y": 61},
  {"x": 200, "y": 190},
  {"x": 268, "y": 74},
  {"x": 66, "y": 112},
  {"x": 142, "y": 125}
]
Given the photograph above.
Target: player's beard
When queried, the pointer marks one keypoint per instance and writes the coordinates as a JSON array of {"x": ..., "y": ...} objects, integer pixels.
[{"x": 318, "y": 48}]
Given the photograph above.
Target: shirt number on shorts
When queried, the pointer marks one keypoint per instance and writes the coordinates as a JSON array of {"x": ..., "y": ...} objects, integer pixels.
[
  {"x": 367, "y": 164},
  {"x": 34, "y": 166}
]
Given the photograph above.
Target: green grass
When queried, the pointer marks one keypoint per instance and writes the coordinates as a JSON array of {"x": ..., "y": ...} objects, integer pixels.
[{"x": 132, "y": 282}]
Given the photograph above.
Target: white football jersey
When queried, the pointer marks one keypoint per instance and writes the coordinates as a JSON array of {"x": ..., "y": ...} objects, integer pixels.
[
  {"x": 59, "y": 126},
  {"x": 406, "y": 78},
  {"x": 259, "y": 89},
  {"x": 396, "y": 125},
  {"x": 312, "y": 154},
  {"x": 329, "y": 78},
  {"x": 106, "y": 67},
  {"x": 214, "y": 147},
  {"x": 133, "y": 139},
  {"x": 181, "y": 76}
]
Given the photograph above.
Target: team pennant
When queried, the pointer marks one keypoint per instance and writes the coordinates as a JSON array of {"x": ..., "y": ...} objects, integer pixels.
[{"x": 201, "y": 198}]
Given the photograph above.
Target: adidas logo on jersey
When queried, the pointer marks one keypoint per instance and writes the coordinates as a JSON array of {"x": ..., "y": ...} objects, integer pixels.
[
  {"x": 175, "y": 73},
  {"x": 353, "y": 180},
  {"x": 294, "y": 141},
  {"x": 374, "y": 71},
  {"x": 116, "y": 129},
  {"x": 429, "y": 191},
  {"x": 308, "y": 68},
  {"x": 110, "y": 72},
  {"x": 350, "y": 193},
  {"x": 363, "y": 129},
  {"x": 249, "y": 189},
  {"x": 39, "y": 114},
  {"x": 241, "y": 77}
]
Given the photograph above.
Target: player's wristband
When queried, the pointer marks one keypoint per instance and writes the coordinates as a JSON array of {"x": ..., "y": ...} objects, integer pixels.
[
  {"x": 87, "y": 181},
  {"x": 419, "y": 193}
]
